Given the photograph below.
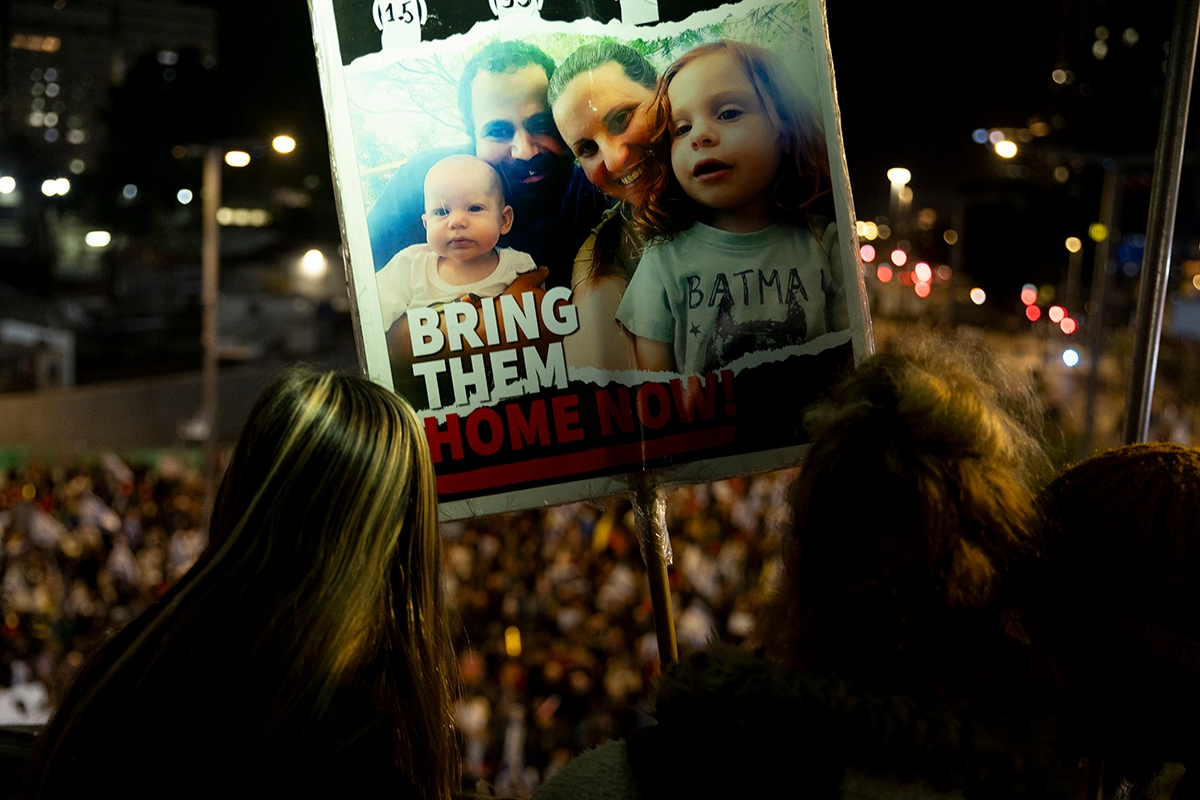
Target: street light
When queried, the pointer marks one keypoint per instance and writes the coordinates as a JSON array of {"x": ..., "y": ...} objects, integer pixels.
[
  {"x": 900, "y": 198},
  {"x": 210, "y": 253},
  {"x": 1074, "y": 269}
]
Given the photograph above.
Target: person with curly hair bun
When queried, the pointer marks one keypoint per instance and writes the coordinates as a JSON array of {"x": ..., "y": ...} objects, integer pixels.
[
  {"x": 890, "y": 665},
  {"x": 308, "y": 649}
]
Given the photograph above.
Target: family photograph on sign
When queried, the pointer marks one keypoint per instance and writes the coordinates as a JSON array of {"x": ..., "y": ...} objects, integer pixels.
[{"x": 597, "y": 249}]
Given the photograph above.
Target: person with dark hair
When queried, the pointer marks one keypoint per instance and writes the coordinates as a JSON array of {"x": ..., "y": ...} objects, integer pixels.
[
  {"x": 1114, "y": 606},
  {"x": 308, "y": 647},
  {"x": 502, "y": 99},
  {"x": 601, "y": 98},
  {"x": 889, "y": 668},
  {"x": 499, "y": 58}
]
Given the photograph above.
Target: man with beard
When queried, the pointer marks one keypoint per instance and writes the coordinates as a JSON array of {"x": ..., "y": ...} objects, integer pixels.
[{"x": 502, "y": 97}]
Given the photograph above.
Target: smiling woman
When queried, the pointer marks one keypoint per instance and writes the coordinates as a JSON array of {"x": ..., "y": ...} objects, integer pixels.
[{"x": 600, "y": 97}]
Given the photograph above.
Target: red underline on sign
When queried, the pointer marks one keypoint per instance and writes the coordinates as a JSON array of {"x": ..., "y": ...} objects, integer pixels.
[{"x": 578, "y": 465}]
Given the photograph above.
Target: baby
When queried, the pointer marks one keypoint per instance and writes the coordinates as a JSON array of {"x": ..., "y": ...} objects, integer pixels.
[{"x": 465, "y": 216}]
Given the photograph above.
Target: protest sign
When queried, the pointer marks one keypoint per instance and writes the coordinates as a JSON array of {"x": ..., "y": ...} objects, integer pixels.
[{"x": 590, "y": 242}]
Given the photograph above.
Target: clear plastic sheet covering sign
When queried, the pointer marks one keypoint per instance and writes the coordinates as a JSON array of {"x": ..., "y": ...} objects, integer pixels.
[{"x": 590, "y": 238}]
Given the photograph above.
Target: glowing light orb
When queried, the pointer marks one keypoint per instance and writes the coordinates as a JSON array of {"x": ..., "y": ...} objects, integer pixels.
[
  {"x": 313, "y": 264},
  {"x": 978, "y": 296},
  {"x": 1006, "y": 149},
  {"x": 1070, "y": 357}
]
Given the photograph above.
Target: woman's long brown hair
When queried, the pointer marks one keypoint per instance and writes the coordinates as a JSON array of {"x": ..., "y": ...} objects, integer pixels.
[{"x": 322, "y": 573}]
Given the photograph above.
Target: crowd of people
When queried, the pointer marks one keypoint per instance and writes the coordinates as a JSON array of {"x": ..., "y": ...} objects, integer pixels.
[
  {"x": 556, "y": 645},
  {"x": 920, "y": 610},
  {"x": 86, "y": 548}
]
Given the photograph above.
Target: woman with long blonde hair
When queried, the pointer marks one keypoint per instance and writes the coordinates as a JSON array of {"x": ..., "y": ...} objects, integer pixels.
[{"x": 308, "y": 648}]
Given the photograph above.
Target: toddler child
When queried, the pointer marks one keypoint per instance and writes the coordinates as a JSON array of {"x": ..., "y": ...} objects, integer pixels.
[
  {"x": 734, "y": 266},
  {"x": 465, "y": 216}
]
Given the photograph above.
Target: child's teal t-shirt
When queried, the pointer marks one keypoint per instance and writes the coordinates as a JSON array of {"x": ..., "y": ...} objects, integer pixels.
[{"x": 717, "y": 296}]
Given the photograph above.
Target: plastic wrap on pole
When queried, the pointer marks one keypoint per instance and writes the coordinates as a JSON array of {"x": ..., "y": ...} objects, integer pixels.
[{"x": 650, "y": 511}]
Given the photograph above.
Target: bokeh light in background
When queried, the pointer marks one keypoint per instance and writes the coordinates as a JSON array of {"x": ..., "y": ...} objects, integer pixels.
[
  {"x": 184, "y": 196},
  {"x": 1097, "y": 232},
  {"x": 866, "y": 230},
  {"x": 237, "y": 158},
  {"x": 512, "y": 641},
  {"x": 922, "y": 289},
  {"x": 978, "y": 296},
  {"x": 8, "y": 184},
  {"x": 313, "y": 264},
  {"x": 97, "y": 238},
  {"x": 55, "y": 186},
  {"x": 1029, "y": 294},
  {"x": 868, "y": 252},
  {"x": 1073, "y": 244},
  {"x": 950, "y": 237},
  {"x": 899, "y": 258},
  {"x": 884, "y": 273},
  {"x": 1006, "y": 149},
  {"x": 1070, "y": 357},
  {"x": 1056, "y": 314},
  {"x": 923, "y": 272},
  {"x": 1033, "y": 313},
  {"x": 283, "y": 144},
  {"x": 1068, "y": 326}
]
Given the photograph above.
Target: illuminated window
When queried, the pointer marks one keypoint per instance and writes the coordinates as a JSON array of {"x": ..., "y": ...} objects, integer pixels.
[{"x": 38, "y": 44}]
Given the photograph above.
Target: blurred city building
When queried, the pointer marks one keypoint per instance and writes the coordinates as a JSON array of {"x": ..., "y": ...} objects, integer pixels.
[{"x": 106, "y": 104}]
